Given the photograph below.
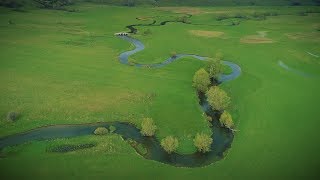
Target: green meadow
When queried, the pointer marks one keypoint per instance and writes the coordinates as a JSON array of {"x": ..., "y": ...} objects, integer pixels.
[{"x": 59, "y": 67}]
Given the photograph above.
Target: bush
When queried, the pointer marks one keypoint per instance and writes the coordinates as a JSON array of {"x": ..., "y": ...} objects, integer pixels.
[
  {"x": 173, "y": 54},
  {"x": 12, "y": 116},
  {"x": 131, "y": 62},
  {"x": 258, "y": 16},
  {"x": 112, "y": 129},
  {"x": 101, "y": 131},
  {"x": 147, "y": 32},
  {"x": 218, "y": 98},
  {"x": 170, "y": 144},
  {"x": 201, "y": 80},
  {"x": 203, "y": 142},
  {"x": 148, "y": 128},
  {"x": 184, "y": 19},
  {"x": 222, "y": 17},
  {"x": 235, "y": 23},
  {"x": 209, "y": 118},
  {"x": 226, "y": 120},
  {"x": 70, "y": 147}
]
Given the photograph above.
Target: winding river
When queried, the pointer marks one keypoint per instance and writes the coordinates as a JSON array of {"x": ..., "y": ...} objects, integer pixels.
[{"x": 222, "y": 137}]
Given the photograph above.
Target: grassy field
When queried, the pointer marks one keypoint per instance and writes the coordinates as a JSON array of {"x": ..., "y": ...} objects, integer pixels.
[{"x": 59, "y": 67}]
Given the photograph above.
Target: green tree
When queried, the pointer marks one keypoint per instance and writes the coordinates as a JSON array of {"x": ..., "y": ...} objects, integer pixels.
[
  {"x": 170, "y": 144},
  {"x": 218, "y": 98},
  {"x": 101, "y": 131},
  {"x": 203, "y": 142},
  {"x": 226, "y": 120},
  {"x": 214, "y": 66},
  {"x": 148, "y": 128},
  {"x": 201, "y": 80}
]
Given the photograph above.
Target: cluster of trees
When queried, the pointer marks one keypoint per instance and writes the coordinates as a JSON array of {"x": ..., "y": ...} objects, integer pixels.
[
  {"x": 201, "y": 79},
  {"x": 11, "y": 3},
  {"x": 201, "y": 141},
  {"x": 217, "y": 97},
  {"x": 247, "y": 16},
  {"x": 54, "y": 4},
  {"x": 170, "y": 143}
]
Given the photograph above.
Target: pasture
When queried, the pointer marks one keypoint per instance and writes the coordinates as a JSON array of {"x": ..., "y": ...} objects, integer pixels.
[{"x": 61, "y": 67}]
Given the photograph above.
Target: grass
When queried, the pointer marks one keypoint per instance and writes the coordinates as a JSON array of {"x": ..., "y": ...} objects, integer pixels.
[{"x": 62, "y": 68}]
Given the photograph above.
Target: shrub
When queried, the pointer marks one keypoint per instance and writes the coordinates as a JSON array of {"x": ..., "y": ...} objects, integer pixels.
[
  {"x": 148, "y": 128},
  {"x": 258, "y": 16},
  {"x": 147, "y": 32},
  {"x": 222, "y": 17},
  {"x": 226, "y": 120},
  {"x": 235, "y": 23},
  {"x": 218, "y": 98},
  {"x": 302, "y": 14},
  {"x": 184, "y": 19},
  {"x": 101, "y": 131},
  {"x": 201, "y": 80},
  {"x": 209, "y": 118},
  {"x": 203, "y": 142},
  {"x": 12, "y": 116},
  {"x": 112, "y": 129},
  {"x": 131, "y": 62},
  {"x": 173, "y": 54},
  {"x": 70, "y": 147},
  {"x": 170, "y": 144}
]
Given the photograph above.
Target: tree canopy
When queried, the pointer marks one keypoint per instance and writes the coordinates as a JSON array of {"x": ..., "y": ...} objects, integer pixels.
[
  {"x": 201, "y": 80},
  {"x": 148, "y": 128},
  {"x": 218, "y": 98},
  {"x": 203, "y": 142},
  {"x": 170, "y": 144},
  {"x": 226, "y": 120},
  {"x": 214, "y": 66}
]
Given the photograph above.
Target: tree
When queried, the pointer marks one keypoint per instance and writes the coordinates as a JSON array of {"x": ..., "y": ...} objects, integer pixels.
[
  {"x": 203, "y": 142},
  {"x": 214, "y": 66},
  {"x": 218, "y": 98},
  {"x": 226, "y": 120},
  {"x": 101, "y": 131},
  {"x": 201, "y": 80},
  {"x": 148, "y": 128},
  {"x": 170, "y": 144}
]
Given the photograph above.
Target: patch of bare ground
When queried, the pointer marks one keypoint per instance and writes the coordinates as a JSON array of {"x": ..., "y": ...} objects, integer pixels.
[
  {"x": 310, "y": 36},
  {"x": 142, "y": 18},
  {"x": 254, "y": 39},
  {"x": 184, "y": 10},
  {"x": 209, "y": 34},
  {"x": 260, "y": 38}
]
